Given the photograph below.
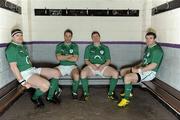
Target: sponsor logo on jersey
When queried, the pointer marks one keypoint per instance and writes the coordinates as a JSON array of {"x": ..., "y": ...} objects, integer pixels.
[
  {"x": 21, "y": 51},
  {"x": 97, "y": 57},
  {"x": 92, "y": 51}
]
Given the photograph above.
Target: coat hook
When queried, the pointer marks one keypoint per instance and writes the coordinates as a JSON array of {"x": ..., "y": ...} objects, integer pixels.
[
  {"x": 156, "y": 10},
  {"x": 66, "y": 11},
  {"x": 45, "y": 10},
  {"x": 107, "y": 11},
  {"x": 87, "y": 11},
  {"x": 6, "y": 3},
  {"x": 128, "y": 11},
  {"x": 167, "y": 5}
]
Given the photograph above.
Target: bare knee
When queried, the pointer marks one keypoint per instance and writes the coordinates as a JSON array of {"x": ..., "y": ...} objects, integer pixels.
[
  {"x": 122, "y": 72},
  {"x": 56, "y": 74},
  {"x": 115, "y": 74},
  {"x": 127, "y": 79},
  {"x": 76, "y": 75},
  {"x": 45, "y": 86},
  {"x": 83, "y": 74}
]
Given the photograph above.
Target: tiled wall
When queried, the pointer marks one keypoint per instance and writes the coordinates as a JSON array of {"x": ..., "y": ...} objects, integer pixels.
[
  {"x": 8, "y": 20},
  {"x": 167, "y": 26},
  {"x": 169, "y": 70},
  {"x": 5, "y": 73}
]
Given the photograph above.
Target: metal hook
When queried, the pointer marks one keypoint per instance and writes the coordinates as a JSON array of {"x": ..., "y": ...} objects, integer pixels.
[
  {"x": 128, "y": 11},
  {"x": 45, "y": 10},
  {"x": 6, "y": 3},
  {"x": 167, "y": 5},
  {"x": 107, "y": 11},
  {"x": 66, "y": 11},
  {"x": 156, "y": 10},
  {"x": 18, "y": 4},
  {"x": 87, "y": 11}
]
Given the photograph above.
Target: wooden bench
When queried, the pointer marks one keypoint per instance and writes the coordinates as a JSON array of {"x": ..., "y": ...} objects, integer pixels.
[
  {"x": 96, "y": 80},
  {"x": 166, "y": 93},
  {"x": 9, "y": 94}
]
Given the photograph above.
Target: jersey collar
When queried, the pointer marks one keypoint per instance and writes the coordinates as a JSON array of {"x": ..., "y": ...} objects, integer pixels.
[
  {"x": 17, "y": 43},
  {"x": 96, "y": 46},
  {"x": 152, "y": 45},
  {"x": 67, "y": 44}
]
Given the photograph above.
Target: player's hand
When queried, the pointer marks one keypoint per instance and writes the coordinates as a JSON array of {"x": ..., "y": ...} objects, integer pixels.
[
  {"x": 69, "y": 56},
  {"x": 134, "y": 70},
  {"x": 26, "y": 85},
  {"x": 101, "y": 67},
  {"x": 94, "y": 67}
]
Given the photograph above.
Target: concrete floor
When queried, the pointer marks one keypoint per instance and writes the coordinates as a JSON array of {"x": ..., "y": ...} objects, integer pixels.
[{"x": 143, "y": 106}]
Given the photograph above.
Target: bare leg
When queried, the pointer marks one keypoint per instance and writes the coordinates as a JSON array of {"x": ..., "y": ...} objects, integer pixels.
[{"x": 37, "y": 81}]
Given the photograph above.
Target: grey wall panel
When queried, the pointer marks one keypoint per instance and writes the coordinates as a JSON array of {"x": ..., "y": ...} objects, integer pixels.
[
  {"x": 121, "y": 54},
  {"x": 6, "y": 75},
  {"x": 169, "y": 71}
]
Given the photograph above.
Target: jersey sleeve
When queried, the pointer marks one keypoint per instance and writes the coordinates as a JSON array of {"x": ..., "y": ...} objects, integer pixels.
[
  {"x": 157, "y": 56},
  {"x": 107, "y": 53},
  {"x": 76, "y": 50},
  {"x": 11, "y": 54},
  {"x": 58, "y": 49},
  {"x": 86, "y": 53}
]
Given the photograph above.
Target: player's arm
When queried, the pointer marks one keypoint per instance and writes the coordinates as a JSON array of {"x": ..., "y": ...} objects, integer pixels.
[
  {"x": 18, "y": 75},
  {"x": 108, "y": 59},
  {"x": 88, "y": 63},
  {"x": 157, "y": 56},
  {"x": 144, "y": 69},
  {"x": 87, "y": 57},
  {"x": 149, "y": 67},
  {"x": 139, "y": 65},
  {"x": 73, "y": 58},
  {"x": 59, "y": 54},
  {"x": 60, "y": 57},
  {"x": 108, "y": 62},
  {"x": 16, "y": 71}
]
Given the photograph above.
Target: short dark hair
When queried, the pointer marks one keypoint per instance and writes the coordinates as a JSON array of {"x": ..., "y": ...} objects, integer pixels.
[
  {"x": 95, "y": 32},
  {"x": 151, "y": 33},
  {"x": 68, "y": 31}
]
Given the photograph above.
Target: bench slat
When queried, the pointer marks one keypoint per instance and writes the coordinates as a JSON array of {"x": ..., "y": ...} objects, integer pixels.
[
  {"x": 166, "y": 97},
  {"x": 167, "y": 88}
]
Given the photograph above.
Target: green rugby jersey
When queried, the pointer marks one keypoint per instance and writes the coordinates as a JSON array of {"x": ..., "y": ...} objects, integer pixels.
[
  {"x": 18, "y": 53},
  {"x": 97, "y": 55},
  {"x": 64, "y": 49},
  {"x": 153, "y": 54}
]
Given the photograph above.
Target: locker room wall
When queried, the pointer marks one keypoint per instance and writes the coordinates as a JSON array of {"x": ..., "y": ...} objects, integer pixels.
[
  {"x": 114, "y": 30},
  {"x": 167, "y": 25},
  {"x": 8, "y": 20}
]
